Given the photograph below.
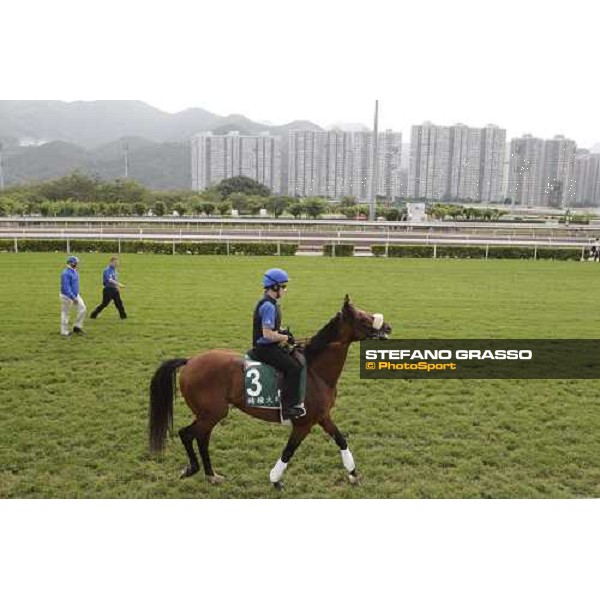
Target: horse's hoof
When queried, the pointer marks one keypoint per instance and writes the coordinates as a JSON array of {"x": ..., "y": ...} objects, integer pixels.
[
  {"x": 188, "y": 472},
  {"x": 354, "y": 478},
  {"x": 215, "y": 479},
  {"x": 278, "y": 486}
]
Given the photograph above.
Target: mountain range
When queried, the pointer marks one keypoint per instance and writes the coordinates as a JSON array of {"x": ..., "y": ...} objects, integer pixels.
[{"x": 48, "y": 139}]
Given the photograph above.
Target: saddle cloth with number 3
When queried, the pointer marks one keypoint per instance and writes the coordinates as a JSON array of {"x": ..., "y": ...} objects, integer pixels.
[{"x": 262, "y": 383}]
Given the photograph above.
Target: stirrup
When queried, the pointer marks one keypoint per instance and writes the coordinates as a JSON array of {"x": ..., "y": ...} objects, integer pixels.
[{"x": 294, "y": 412}]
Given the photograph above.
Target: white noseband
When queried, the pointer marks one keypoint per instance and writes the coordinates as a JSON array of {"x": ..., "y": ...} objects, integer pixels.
[{"x": 377, "y": 321}]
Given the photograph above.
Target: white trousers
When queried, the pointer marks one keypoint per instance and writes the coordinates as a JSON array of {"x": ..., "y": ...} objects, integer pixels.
[{"x": 65, "y": 308}]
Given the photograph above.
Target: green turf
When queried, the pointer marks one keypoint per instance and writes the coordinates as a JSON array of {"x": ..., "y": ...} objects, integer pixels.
[{"x": 73, "y": 412}]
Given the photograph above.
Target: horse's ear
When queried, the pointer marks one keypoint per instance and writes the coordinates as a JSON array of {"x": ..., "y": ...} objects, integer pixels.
[{"x": 347, "y": 306}]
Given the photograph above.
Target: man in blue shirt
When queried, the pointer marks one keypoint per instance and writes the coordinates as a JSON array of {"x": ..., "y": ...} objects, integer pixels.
[
  {"x": 110, "y": 292},
  {"x": 69, "y": 297},
  {"x": 267, "y": 336}
]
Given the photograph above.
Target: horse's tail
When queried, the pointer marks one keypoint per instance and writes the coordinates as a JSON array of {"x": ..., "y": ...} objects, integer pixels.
[{"x": 162, "y": 393}]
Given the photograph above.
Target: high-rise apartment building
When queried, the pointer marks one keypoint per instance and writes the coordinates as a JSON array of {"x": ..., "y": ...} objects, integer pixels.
[
  {"x": 542, "y": 172},
  {"x": 558, "y": 173},
  {"x": 457, "y": 162},
  {"x": 218, "y": 157},
  {"x": 339, "y": 163},
  {"x": 429, "y": 167},
  {"x": 587, "y": 178},
  {"x": 464, "y": 162},
  {"x": 493, "y": 153},
  {"x": 525, "y": 170}
]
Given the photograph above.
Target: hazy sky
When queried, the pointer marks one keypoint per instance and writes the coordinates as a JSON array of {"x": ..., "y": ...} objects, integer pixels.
[{"x": 526, "y": 66}]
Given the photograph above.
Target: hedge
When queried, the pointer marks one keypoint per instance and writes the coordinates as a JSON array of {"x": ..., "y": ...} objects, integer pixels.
[
  {"x": 559, "y": 253},
  {"x": 511, "y": 252},
  {"x": 404, "y": 251},
  {"x": 338, "y": 250},
  {"x": 460, "y": 252},
  {"x": 149, "y": 247},
  {"x": 514, "y": 252}
]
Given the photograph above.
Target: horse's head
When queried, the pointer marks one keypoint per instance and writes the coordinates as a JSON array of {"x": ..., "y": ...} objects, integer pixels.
[{"x": 363, "y": 325}]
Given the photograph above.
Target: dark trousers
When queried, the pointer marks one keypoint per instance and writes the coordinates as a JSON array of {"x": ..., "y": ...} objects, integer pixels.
[
  {"x": 108, "y": 295},
  {"x": 275, "y": 356}
]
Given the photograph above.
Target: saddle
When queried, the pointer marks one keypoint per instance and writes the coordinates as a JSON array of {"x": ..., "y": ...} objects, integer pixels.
[{"x": 263, "y": 383}]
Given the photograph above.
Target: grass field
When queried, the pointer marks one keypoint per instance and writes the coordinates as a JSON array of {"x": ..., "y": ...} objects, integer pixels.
[{"x": 73, "y": 414}]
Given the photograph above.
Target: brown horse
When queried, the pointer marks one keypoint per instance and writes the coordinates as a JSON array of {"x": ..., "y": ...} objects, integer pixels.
[{"x": 213, "y": 381}]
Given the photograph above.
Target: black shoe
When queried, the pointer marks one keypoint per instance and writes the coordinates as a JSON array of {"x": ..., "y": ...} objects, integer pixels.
[
  {"x": 78, "y": 330},
  {"x": 93, "y": 316},
  {"x": 123, "y": 317}
]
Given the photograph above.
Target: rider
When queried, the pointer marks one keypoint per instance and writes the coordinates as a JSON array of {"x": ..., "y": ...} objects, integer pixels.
[{"x": 268, "y": 340}]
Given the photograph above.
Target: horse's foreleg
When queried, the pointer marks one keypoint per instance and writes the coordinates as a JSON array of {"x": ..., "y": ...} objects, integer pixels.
[
  {"x": 295, "y": 439},
  {"x": 347, "y": 459}
]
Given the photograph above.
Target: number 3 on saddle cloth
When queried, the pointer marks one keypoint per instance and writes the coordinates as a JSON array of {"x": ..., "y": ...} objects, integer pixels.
[{"x": 262, "y": 383}]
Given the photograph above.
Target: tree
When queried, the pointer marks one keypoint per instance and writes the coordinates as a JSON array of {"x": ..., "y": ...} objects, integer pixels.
[
  {"x": 159, "y": 208},
  {"x": 254, "y": 206},
  {"x": 350, "y": 212},
  {"x": 242, "y": 185},
  {"x": 277, "y": 205},
  {"x": 210, "y": 195},
  {"x": 77, "y": 186},
  {"x": 224, "y": 208},
  {"x": 296, "y": 209},
  {"x": 238, "y": 201},
  {"x": 208, "y": 208},
  {"x": 180, "y": 208},
  {"x": 347, "y": 202},
  {"x": 139, "y": 209}
]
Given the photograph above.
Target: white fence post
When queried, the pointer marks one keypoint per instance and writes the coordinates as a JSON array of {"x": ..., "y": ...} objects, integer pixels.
[
  {"x": 119, "y": 244},
  {"x": 582, "y": 251},
  {"x": 535, "y": 252},
  {"x": 434, "y": 250},
  {"x": 278, "y": 248},
  {"x": 16, "y": 246},
  {"x": 487, "y": 251}
]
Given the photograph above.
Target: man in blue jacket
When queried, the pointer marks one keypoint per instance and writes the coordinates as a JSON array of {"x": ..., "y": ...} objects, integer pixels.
[
  {"x": 110, "y": 292},
  {"x": 69, "y": 298}
]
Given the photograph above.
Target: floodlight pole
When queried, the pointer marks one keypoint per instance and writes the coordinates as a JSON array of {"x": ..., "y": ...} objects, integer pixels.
[
  {"x": 126, "y": 152},
  {"x": 374, "y": 163},
  {"x": 1, "y": 169}
]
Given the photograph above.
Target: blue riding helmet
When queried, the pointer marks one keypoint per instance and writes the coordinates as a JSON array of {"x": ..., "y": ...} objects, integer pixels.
[
  {"x": 274, "y": 277},
  {"x": 72, "y": 260}
]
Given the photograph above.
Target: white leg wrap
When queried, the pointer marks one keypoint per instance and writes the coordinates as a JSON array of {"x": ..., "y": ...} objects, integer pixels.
[
  {"x": 348, "y": 460},
  {"x": 277, "y": 471}
]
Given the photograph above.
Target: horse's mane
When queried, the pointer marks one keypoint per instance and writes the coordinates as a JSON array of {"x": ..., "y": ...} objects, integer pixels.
[{"x": 323, "y": 337}]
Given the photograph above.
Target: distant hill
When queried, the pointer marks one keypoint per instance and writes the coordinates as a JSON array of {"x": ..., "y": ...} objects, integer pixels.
[
  {"x": 47, "y": 139},
  {"x": 155, "y": 165},
  {"x": 91, "y": 124}
]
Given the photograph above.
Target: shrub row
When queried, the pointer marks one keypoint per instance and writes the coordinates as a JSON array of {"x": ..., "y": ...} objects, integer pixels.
[
  {"x": 521, "y": 252},
  {"x": 149, "y": 247},
  {"x": 338, "y": 250}
]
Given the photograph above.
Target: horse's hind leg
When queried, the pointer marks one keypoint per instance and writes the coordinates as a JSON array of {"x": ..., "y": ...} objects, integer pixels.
[
  {"x": 187, "y": 436},
  {"x": 203, "y": 438},
  {"x": 347, "y": 459},
  {"x": 295, "y": 439}
]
